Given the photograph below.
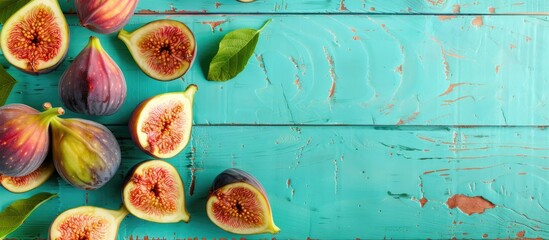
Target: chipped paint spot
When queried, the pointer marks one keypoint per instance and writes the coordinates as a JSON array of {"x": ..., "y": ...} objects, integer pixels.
[
  {"x": 147, "y": 11},
  {"x": 485, "y": 235},
  {"x": 399, "y": 69},
  {"x": 436, "y": 2},
  {"x": 342, "y": 5},
  {"x": 477, "y": 21},
  {"x": 423, "y": 201},
  {"x": 434, "y": 171},
  {"x": 497, "y": 69},
  {"x": 446, "y": 17},
  {"x": 451, "y": 88},
  {"x": 492, "y": 10},
  {"x": 521, "y": 234},
  {"x": 469, "y": 205},
  {"x": 449, "y": 102},
  {"x": 262, "y": 66},
  {"x": 456, "y": 8},
  {"x": 512, "y": 46},
  {"x": 214, "y": 24},
  {"x": 333, "y": 76},
  {"x": 444, "y": 57},
  {"x": 356, "y": 38},
  {"x": 410, "y": 118},
  {"x": 217, "y": 4}
]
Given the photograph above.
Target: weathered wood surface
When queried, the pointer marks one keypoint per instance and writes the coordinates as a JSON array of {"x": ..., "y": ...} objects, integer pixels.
[
  {"x": 384, "y": 70},
  {"x": 351, "y": 118},
  {"x": 348, "y": 182},
  {"x": 339, "y": 6}
]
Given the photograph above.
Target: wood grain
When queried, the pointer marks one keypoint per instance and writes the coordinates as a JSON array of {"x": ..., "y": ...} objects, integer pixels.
[
  {"x": 322, "y": 180},
  {"x": 339, "y": 6},
  {"x": 366, "y": 70}
]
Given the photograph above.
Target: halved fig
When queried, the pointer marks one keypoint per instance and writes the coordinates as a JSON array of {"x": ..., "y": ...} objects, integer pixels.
[
  {"x": 163, "y": 49},
  {"x": 161, "y": 125},
  {"x": 35, "y": 39},
  {"x": 154, "y": 191},
  {"x": 87, "y": 222},
  {"x": 30, "y": 181},
  {"x": 238, "y": 203}
]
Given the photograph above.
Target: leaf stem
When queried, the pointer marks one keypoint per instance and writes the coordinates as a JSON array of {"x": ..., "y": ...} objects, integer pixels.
[{"x": 264, "y": 25}]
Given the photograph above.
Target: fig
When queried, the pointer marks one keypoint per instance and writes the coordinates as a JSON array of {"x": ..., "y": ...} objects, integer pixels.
[
  {"x": 163, "y": 49},
  {"x": 154, "y": 191},
  {"x": 104, "y": 16},
  {"x": 35, "y": 39},
  {"x": 161, "y": 125},
  {"x": 24, "y": 139},
  {"x": 93, "y": 84},
  {"x": 237, "y": 203},
  {"x": 86, "y": 154},
  {"x": 30, "y": 181},
  {"x": 87, "y": 222}
]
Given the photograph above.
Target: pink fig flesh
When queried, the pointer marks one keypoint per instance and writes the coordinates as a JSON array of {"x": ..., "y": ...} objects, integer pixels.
[
  {"x": 105, "y": 16},
  {"x": 93, "y": 84},
  {"x": 24, "y": 139}
]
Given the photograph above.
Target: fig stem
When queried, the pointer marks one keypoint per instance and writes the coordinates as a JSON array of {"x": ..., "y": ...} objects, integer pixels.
[
  {"x": 50, "y": 113},
  {"x": 124, "y": 36},
  {"x": 94, "y": 43}
]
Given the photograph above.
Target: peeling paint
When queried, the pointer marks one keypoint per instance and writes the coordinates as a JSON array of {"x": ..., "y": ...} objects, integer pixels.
[
  {"x": 342, "y": 5},
  {"x": 477, "y": 21},
  {"x": 469, "y": 205},
  {"x": 214, "y": 24},
  {"x": 333, "y": 76},
  {"x": 446, "y": 17},
  {"x": 492, "y": 10},
  {"x": 261, "y": 62},
  {"x": 452, "y": 86},
  {"x": 456, "y": 8}
]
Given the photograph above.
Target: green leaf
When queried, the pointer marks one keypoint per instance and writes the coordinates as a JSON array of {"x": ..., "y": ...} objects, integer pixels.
[
  {"x": 15, "y": 214},
  {"x": 6, "y": 85},
  {"x": 9, "y": 7},
  {"x": 235, "y": 49}
]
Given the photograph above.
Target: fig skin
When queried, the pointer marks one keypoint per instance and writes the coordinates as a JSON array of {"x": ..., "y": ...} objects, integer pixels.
[
  {"x": 30, "y": 181},
  {"x": 142, "y": 115},
  {"x": 50, "y": 41},
  {"x": 24, "y": 139},
  {"x": 85, "y": 153},
  {"x": 93, "y": 84},
  {"x": 105, "y": 16},
  {"x": 136, "y": 182},
  {"x": 87, "y": 222},
  {"x": 224, "y": 185},
  {"x": 151, "y": 55}
]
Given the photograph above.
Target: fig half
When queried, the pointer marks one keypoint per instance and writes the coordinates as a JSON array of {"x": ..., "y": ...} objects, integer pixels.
[
  {"x": 161, "y": 125},
  {"x": 238, "y": 203},
  {"x": 154, "y": 191},
  {"x": 35, "y": 39},
  {"x": 87, "y": 222},
  {"x": 163, "y": 49},
  {"x": 30, "y": 181}
]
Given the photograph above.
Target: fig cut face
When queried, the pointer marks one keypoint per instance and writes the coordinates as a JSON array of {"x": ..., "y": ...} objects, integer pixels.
[
  {"x": 87, "y": 222},
  {"x": 35, "y": 39},
  {"x": 163, "y": 49},
  {"x": 154, "y": 192},
  {"x": 161, "y": 125},
  {"x": 238, "y": 203},
  {"x": 30, "y": 181}
]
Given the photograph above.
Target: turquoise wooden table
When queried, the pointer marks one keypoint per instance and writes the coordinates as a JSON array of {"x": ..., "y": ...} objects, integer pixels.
[{"x": 363, "y": 119}]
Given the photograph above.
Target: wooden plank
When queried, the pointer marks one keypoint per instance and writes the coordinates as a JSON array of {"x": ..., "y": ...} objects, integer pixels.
[
  {"x": 347, "y": 182},
  {"x": 339, "y": 6},
  {"x": 342, "y": 69}
]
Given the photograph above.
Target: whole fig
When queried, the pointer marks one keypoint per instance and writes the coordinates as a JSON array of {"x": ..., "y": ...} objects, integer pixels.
[
  {"x": 86, "y": 154},
  {"x": 105, "y": 16},
  {"x": 24, "y": 140},
  {"x": 93, "y": 84}
]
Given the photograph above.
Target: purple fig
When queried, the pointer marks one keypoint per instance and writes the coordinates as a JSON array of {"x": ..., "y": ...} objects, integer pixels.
[
  {"x": 24, "y": 140},
  {"x": 93, "y": 84},
  {"x": 86, "y": 154},
  {"x": 105, "y": 16}
]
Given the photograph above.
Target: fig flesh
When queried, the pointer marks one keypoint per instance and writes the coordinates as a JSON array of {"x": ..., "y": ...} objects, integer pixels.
[
  {"x": 30, "y": 181},
  {"x": 93, "y": 84},
  {"x": 35, "y": 39},
  {"x": 163, "y": 49},
  {"x": 161, "y": 125},
  {"x": 154, "y": 191},
  {"x": 104, "y": 16},
  {"x": 24, "y": 139},
  {"x": 85, "y": 153},
  {"x": 238, "y": 203},
  {"x": 87, "y": 222}
]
